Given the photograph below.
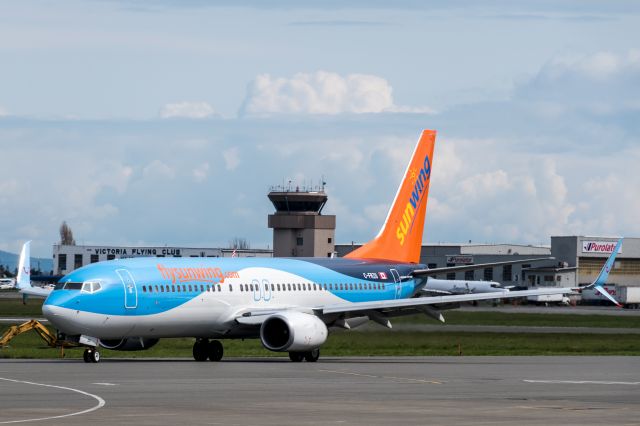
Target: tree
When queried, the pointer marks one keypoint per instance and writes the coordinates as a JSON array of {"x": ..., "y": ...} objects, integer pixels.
[
  {"x": 239, "y": 244},
  {"x": 66, "y": 235}
]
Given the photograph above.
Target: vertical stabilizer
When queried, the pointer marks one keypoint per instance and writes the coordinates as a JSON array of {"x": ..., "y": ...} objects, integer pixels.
[
  {"x": 400, "y": 238},
  {"x": 23, "y": 280},
  {"x": 604, "y": 274}
]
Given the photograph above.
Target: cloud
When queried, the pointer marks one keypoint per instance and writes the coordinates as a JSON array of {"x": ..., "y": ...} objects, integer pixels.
[
  {"x": 193, "y": 110},
  {"x": 231, "y": 158},
  {"x": 321, "y": 92},
  {"x": 601, "y": 83},
  {"x": 201, "y": 173},
  {"x": 158, "y": 170}
]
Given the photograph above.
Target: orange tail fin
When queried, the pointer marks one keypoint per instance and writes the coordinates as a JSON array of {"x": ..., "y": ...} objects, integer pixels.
[{"x": 400, "y": 238}]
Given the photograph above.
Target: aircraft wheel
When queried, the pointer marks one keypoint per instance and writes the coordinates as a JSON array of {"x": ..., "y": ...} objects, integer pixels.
[
  {"x": 215, "y": 350},
  {"x": 85, "y": 355},
  {"x": 93, "y": 355},
  {"x": 296, "y": 356},
  {"x": 200, "y": 350},
  {"x": 313, "y": 355}
]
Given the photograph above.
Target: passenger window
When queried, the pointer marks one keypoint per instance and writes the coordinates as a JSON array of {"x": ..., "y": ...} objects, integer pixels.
[
  {"x": 278, "y": 287},
  {"x": 202, "y": 288},
  {"x": 219, "y": 288},
  {"x": 144, "y": 288},
  {"x": 230, "y": 288},
  {"x": 299, "y": 287},
  {"x": 190, "y": 289},
  {"x": 273, "y": 287},
  {"x": 173, "y": 289},
  {"x": 178, "y": 288},
  {"x": 167, "y": 288},
  {"x": 162, "y": 288}
]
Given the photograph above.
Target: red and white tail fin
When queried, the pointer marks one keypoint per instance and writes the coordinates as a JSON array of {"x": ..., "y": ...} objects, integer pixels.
[{"x": 400, "y": 238}]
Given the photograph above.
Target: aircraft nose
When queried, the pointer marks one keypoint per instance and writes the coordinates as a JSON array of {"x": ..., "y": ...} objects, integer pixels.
[{"x": 58, "y": 317}]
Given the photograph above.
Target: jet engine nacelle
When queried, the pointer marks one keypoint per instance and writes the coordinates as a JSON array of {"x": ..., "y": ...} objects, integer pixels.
[
  {"x": 128, "y": 344},
  {"x": 293, "y": 331}
]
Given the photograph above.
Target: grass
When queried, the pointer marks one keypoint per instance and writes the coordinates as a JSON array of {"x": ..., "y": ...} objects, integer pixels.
[
  {"x": 13, "y": 307},
  {"x": 374, "y": 343},
  {"x": 527, "y": 319}
]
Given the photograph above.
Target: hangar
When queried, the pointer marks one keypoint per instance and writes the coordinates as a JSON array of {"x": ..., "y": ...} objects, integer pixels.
[{"x": 578, "y": 260}]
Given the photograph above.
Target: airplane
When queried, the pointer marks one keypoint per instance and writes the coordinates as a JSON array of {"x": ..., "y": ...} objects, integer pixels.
[
  {"x": 436, "y": 286},
  {"x": 601, "y": 279},
  {"x": 7, "y": 283},
  {"x": 23, "y": 279},
  {"x": 288, "y": 303}
]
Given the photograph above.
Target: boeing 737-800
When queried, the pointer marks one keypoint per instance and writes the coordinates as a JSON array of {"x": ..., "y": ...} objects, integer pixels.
[{"x": 288, "y": 303}]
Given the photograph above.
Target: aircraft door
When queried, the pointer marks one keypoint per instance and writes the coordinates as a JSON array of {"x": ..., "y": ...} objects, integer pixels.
[
  {"x": 130, "y": 290},
  {"x": 267, "y": 290},
  {"x": 398, "y": 284},
  {"x": 257, "y": 290}
]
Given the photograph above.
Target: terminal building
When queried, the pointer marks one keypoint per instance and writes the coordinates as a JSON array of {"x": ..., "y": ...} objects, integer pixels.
[{"x": 68, "y": 258}]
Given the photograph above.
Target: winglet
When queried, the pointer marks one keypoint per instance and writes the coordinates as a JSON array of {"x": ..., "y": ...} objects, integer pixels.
[
  {"x": 400, "y": 238},
  {"x": 604, "y": 275}
]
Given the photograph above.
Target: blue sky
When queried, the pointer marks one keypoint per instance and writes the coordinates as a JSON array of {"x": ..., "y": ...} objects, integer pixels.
[{"x": 145, "y": 122}]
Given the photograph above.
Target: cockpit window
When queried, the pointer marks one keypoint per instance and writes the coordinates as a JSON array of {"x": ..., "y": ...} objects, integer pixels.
[
  {"x": 90, "y": 286},
  {"x": 72, "y": 286}
]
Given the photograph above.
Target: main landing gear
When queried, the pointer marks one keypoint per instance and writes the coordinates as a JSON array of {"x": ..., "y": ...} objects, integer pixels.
[
  {"x": 204, "y": 349},
  {"x": 311, "y": 356},
  {"x": 91, "y": 355}
]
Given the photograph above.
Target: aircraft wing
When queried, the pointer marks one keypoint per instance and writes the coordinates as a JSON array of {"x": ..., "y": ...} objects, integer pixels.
[
  {"x": 390, "y": 305},
  {"x": 398, "y": 307},
  {"x": 419, "y": 273}
]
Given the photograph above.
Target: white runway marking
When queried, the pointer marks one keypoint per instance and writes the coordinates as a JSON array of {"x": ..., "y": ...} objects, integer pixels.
[
  {"x": 433, "y": 382},
  {"x": 582, "y": 382},
  {"x": 100, "y": 403},
  {"x": 104, "y": 384}
]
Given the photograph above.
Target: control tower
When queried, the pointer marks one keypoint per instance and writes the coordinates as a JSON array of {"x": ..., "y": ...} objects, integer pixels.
[{"x": 299, "y": 227}]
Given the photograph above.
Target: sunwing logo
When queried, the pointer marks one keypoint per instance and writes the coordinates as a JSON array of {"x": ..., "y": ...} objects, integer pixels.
[
  {"x": 183, "y": 275},
  {"x": 408, "y": 217}
]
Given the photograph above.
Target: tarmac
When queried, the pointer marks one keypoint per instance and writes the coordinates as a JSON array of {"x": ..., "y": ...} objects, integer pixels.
[{"x": 358, "y": 391}]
